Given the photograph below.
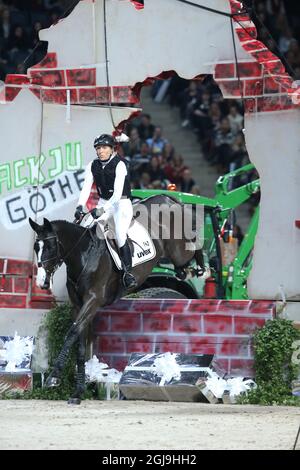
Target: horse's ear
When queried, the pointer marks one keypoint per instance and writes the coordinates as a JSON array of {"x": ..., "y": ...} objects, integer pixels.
[
  {"x": 36, "y": 227},
  {"x": 47, "y": 225}
]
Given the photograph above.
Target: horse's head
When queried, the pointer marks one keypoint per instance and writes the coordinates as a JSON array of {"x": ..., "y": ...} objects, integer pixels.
[{"x": 47, "y": 251}]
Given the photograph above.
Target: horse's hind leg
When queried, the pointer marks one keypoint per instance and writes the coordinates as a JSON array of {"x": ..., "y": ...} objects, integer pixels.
[
  {"x": 200, "y": 262},
  {"x": 80, "y": 374}
]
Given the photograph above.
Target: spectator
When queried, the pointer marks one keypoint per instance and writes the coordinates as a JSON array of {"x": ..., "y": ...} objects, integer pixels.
[
  {"x": 239, "y": 151},
  {"x": 133, "y": 147},
  {"x": 295, "y": 49},
  {"x": 223, "y": 145},
  {"x": 297, "y": 73},
  {"x": 5, "y": 65},
  {"x": 213, "y": 126},
  {"x": 154, "y": 170},
  {"x": 140, "y": 161},
  {"x": 157, "y": 184},
  {"x": 5, "y": 26},
  {"x": 34, "y": 38},
  {"x": 200, "y": 119},
  {"x": 187, "y": 182},
  {"x": 174, "y": 169},
  {"x": 196, "y": 190},
  {"x": 157, "y": 142},
  {"x": 188, "y": 99},
  {"x": 215, "y": 115},
  {"x": 176, "y": 87},
  {"x": 146, "y": 128},
  {"x": 236, "y": 120},
  {"x": 144, "y": 181},
  {"x": 18, "y": 39},
  {"x": 143, "y": 156},
  {"x": 285, "y": 40},
  {"x": 168, "y": 152},
  {"x": 54, "y": 16}
]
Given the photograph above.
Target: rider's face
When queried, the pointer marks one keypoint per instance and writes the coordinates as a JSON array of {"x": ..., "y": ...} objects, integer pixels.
[{"x": 104, "y": 151}]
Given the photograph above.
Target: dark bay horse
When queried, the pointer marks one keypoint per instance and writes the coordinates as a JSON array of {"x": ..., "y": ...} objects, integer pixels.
[{"x": 93, "y": 281}]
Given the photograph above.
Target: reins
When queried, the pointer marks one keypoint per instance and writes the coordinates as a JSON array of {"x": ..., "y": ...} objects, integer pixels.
[{"x": 62, "y": 258}]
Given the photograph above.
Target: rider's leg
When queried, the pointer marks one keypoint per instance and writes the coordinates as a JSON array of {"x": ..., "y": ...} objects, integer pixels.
[
  {"x": 129, "y": 280},
  {"x": 122, "y": 217}
]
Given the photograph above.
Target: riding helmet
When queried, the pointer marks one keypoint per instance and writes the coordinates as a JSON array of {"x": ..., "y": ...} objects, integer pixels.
[{"x": 104, "y": 139}]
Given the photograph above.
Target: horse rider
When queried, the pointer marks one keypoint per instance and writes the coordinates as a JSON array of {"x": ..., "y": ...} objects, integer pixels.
[{"x": 110, "y": 175}]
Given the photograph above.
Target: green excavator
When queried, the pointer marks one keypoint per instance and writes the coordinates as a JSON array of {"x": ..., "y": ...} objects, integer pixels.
[{"x": 228, "y": 259}]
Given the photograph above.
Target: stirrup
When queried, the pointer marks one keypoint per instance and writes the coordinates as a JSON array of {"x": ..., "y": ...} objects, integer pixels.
[{"x": 129, "y": 280}]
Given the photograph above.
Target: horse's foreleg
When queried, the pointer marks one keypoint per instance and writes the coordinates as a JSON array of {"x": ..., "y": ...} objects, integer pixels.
[
  {"x": 200, "y": 262},
  {"x": 80, "y": 375},
  {"x": 86, "y": 313}
]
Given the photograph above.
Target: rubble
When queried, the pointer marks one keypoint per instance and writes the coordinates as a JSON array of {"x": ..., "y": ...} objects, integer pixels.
[
  {"x": 15, "y": 363},
  {"x": 99, "y": 372},
  {"x": 180, "y": 377}
]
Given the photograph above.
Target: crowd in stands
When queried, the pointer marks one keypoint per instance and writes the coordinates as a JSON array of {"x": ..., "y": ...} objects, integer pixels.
[
  {"x": 218, "y": 123},
  {"x": 278, "y": 25},
  {"x": 20, "y": 47},
  {"x": 20, "y": 22},
  {"x": 153, "y": 160}
]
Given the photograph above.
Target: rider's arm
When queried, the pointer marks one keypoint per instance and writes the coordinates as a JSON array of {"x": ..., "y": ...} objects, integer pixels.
[
  {"x": 121, "y": 173},
  {"x": 87, "y": 186}
]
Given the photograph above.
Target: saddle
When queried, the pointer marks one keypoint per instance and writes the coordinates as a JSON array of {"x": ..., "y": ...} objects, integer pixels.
[{"x": 141, "y": 244}]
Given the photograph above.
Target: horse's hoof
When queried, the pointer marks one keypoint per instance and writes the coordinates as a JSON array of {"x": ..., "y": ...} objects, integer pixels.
[
  {"x": 74, "y": 401},
  {"x": 52, "y": 382}
]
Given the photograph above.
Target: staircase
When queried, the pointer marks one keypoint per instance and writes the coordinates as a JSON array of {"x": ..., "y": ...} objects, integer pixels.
[
  {"x": 184, "y": 141},
  {"x": 186, "y": 144}
]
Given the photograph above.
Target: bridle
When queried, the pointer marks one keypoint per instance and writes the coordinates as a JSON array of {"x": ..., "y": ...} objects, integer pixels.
[{"x": 60, "y": 259}]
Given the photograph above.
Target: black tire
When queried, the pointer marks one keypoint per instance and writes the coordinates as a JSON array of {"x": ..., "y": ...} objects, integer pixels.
[{"x": 159, "y": 293}]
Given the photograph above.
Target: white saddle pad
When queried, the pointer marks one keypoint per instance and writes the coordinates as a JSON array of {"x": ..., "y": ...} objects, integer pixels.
[{"x": 144, "y": 249}]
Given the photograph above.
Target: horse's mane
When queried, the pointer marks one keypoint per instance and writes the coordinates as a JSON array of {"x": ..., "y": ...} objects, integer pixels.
[
  {"x": 78, "y": 230},
  {"x": 71, "y": 225}
]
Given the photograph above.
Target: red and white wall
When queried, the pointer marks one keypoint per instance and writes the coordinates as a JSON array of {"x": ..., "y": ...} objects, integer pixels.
[
  {"x": 51, "y": 111},
  {"x": 222, "y": 328}
]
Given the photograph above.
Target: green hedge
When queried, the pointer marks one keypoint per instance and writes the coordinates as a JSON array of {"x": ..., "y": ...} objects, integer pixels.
[{"x": 274, "y": 370}]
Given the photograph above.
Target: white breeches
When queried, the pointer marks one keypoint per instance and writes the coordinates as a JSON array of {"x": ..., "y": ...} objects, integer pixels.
[{"x": 122, "y": 213}]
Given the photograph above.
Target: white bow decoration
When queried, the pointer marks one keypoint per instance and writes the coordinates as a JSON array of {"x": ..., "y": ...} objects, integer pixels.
[
  {"x": 167, "y": 368},
  {"x": 96, "y": 371},
  {"x": 16, "y": 351}
]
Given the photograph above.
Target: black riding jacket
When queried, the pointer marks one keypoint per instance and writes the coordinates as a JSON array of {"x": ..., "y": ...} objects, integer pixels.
[{"x": 104, "y": 175}]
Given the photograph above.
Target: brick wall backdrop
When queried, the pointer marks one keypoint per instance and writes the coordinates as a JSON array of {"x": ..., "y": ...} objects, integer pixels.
[
  {"x": 217, "y": 327},
  {"x": 262, "y": 80},
  {"x": 18, "y": 287}
]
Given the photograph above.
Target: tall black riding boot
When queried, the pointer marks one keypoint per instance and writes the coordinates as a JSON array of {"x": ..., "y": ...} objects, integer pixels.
[{"x": 129, "y": 280}]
